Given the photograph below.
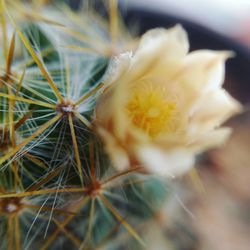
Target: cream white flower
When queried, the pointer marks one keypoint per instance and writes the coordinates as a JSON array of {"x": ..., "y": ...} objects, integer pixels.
[{"x": 163, "y": 105}]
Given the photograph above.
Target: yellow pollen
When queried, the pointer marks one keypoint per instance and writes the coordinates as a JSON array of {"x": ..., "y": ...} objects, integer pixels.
[{"x": 150, "y": 111}]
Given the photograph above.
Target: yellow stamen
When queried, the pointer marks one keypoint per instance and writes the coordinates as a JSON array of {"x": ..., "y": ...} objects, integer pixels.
[{"x": 150, "y": 109}]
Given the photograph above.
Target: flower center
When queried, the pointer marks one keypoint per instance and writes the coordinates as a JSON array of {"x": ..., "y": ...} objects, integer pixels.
[{"x": 150, "y": 110}]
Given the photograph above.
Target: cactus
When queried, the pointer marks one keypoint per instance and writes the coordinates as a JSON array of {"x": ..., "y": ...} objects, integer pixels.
[{"x": 59, "y": 188}]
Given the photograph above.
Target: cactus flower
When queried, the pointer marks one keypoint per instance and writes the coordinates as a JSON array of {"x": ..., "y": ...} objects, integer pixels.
[{"x": 163, "y": 104}]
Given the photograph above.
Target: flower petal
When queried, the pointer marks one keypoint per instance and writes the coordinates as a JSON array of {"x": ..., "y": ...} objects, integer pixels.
[
  {"x": 170, "y": 163},
  {"x": 118, "y": 66},
  {"x": 157, "y": 46},
  {"x": 159, "y": 40},
  {"x": 214, "y": 138},
  {"x": 117, "y": 154},
  {"x": 204, "y": 70},
  {"x": 213, "y": 109}
]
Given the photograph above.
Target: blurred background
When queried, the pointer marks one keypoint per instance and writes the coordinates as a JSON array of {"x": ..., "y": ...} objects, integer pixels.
[
  {"x": 214, "y": 202},
  {"x": 228, "y": 17}
]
